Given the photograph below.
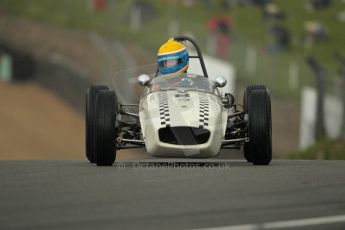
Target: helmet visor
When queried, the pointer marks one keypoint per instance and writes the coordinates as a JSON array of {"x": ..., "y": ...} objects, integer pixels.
[{"x": 168, "y": 63}]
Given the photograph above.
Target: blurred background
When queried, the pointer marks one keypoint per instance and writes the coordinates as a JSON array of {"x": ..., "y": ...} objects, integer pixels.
[{"x": 51, "y": 51}]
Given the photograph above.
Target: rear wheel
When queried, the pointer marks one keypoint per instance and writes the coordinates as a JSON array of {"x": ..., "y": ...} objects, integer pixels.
[
  {"x": 104, "y": 128},
  {"x": 258, "y": 106},
  {"x": 89, "y": 117}
]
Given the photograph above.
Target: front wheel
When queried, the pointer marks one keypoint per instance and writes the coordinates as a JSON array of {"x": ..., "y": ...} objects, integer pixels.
[
  {"x": 104, "y": 128},
  {"x": 91, "y": 95},
  {"x": 258, "y": 107},
  {"x": 249, "y": 89}
]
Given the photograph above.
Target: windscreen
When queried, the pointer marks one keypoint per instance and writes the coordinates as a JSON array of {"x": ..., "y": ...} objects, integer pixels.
[
  {"x": 125, "y": 83},
  {"x": 185, "y": 81}
]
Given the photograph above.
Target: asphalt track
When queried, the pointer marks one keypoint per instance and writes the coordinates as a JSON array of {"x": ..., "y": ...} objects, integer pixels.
[{"x": 171, "y": 194}]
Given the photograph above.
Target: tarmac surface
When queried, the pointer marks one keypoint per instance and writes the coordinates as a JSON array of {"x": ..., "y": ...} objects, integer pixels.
[{"x": 172, "y": 194}]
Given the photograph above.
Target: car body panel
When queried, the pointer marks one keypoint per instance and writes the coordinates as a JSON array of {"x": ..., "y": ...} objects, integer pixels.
[{"x": 182, "y": 108}]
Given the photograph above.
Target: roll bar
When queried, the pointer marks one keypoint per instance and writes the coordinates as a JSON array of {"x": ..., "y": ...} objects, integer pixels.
[{"x": 182, "y": 38}]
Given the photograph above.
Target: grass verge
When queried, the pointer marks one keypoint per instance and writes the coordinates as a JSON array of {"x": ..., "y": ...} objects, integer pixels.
[{"x": 326, "y": 150}]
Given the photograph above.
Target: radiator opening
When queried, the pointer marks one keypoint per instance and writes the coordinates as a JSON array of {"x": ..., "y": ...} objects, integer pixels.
[{"x": 183, "y": 135}]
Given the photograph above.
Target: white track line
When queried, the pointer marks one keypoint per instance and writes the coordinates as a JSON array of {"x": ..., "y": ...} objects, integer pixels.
[{"x": 284, "y": 224}]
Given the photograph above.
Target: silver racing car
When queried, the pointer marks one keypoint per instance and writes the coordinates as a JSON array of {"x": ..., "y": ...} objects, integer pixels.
[{"x": 182, "y": 115}]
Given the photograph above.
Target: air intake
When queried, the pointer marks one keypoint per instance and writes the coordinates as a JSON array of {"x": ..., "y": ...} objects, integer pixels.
[{"x": 183, "y": 135}]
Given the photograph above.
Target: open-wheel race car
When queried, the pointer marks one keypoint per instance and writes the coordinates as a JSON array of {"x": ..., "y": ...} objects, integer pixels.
[{"x": 181, "y": 115}]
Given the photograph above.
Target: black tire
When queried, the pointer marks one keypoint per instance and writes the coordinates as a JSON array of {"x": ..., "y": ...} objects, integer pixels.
[
  {"x": 104, "y": 128},
  {"x": 259, "y": 147},
  {"x": 89, "y": 117},
  {"x": 248, "y": 90}
]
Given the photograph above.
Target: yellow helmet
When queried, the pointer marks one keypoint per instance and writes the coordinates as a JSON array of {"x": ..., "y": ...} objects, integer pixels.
[{"x": 172, "y": 57}]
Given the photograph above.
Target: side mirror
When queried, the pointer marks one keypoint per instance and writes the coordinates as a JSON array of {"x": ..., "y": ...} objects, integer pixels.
[
  {"x": 144, "y": 80},
  {"x": 220, "y": 82}
]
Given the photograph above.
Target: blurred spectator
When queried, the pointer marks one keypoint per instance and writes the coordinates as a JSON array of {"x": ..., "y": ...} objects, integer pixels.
[
  {"x": 146, "y": 9},
  {"x": 219, "y": 30},
  {"x": 272, "y": 11},
  {"x": 139, "y": 13},
  {"x": 313, "y": 5},
  {"x": 314, "y": 32},
  {"x": 98, "y": 5},
  {"x": 281, "y": 38}
]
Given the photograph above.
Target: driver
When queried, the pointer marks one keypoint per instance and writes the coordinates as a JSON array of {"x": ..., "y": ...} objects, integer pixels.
[{"x": 172, "y": 58}]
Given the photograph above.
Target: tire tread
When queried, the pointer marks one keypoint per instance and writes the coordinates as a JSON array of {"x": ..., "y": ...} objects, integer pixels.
[
  {"x": 105, "y": 132},
  {"x": 259, "y": 147}
]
